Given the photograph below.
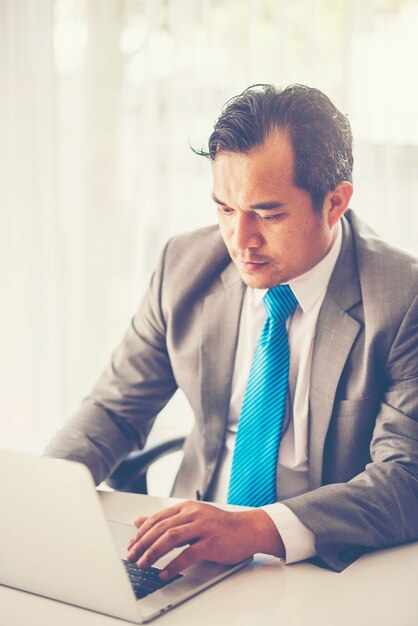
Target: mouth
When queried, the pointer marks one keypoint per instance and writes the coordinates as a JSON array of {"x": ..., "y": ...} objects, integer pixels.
[{"x": 251, "y": 265}]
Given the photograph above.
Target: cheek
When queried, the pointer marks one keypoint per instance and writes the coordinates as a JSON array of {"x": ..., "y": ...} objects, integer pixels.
[
  {"x": 310, "y": 246},
  {"x": 289, "y": 247},
  {"x": 280, "y": 241}
]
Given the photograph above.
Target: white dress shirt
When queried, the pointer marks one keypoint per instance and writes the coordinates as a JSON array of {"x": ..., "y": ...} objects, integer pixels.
[{"x": 292, "y": 466}]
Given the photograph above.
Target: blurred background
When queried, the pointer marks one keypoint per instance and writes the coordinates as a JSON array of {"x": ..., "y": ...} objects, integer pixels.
[{"x": 99, "y": 102}]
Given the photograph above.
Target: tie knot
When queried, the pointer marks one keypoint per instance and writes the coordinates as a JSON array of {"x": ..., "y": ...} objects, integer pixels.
[{"x": 280, "y": 302}]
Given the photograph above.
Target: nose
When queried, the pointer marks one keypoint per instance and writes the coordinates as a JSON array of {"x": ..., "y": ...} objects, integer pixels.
[{"x": 245, "y": 233}]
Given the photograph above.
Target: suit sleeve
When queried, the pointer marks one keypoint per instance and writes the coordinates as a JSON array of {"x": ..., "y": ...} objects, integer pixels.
[
  {"x": 138, "y": 381},
  {"x": 379, "y": 506}
]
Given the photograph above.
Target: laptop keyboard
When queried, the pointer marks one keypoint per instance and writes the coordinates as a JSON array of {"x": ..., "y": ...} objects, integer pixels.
[{"x": 146, "y": 580}]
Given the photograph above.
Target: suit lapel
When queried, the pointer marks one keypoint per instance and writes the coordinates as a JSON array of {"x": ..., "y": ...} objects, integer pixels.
[
  {"x": 220, "y": 323},
  {"x": 335, "y": 335}
]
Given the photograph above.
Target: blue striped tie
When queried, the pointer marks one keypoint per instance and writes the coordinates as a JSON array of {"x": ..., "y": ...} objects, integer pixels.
[{"x": 254, "y": 465}]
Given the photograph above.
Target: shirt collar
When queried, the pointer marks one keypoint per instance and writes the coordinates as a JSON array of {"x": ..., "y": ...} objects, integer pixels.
[{"x": 308, "y": 287}]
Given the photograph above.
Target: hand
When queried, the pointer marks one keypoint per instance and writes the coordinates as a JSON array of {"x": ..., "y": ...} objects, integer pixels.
[{"x": 209, "y": 532}]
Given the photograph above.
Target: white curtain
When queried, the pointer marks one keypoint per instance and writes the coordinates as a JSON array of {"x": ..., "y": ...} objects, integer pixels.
[{"x": 99, "y": 100}]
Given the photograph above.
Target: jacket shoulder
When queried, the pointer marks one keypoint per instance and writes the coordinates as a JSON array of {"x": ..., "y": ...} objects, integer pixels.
[
  {"x": 381, "y": 266},
  {"x": 193, "y": 262}
]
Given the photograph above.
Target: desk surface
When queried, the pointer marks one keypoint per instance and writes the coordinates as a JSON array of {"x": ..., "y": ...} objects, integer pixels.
[{"x": 379, "y": 589}]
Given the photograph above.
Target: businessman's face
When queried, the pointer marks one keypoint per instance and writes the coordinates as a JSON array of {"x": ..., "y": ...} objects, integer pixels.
[{"x": 269, "y": 225}]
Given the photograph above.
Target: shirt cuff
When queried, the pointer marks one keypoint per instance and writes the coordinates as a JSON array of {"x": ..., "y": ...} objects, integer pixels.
[{"x": 299, "y": 541}]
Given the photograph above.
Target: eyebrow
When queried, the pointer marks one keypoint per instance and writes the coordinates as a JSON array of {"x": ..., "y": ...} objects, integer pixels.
[{"x": 260, "y": 206}]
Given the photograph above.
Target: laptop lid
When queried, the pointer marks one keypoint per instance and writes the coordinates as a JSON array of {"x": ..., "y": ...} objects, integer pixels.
[
  {"x": 57, "y": 543},
  {"x": 55, "y": 540}
]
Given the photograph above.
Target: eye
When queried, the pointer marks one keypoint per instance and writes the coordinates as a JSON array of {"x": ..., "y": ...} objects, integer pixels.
[
  {"x": 224, "y": 210},
  {"x": 269, "y": 218}
]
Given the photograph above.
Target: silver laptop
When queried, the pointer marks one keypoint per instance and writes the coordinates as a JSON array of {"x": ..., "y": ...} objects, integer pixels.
[{"x": 57, "y": 543}]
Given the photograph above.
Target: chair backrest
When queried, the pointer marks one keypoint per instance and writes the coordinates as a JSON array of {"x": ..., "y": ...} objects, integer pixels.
[{"x": 131, "y": 473}]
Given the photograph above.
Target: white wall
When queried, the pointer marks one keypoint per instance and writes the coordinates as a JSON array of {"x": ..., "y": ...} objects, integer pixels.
[{"x": 98, "y": 103}]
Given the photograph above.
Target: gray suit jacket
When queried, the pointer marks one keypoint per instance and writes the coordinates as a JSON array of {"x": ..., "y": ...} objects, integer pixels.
[{"x": 363, "y": 422}]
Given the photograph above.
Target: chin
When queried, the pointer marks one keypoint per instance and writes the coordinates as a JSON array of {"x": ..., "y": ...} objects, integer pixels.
[{"x": 260, "y": 282}]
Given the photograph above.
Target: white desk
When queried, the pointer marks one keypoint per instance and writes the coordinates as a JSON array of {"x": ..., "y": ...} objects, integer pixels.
[{"x": 379, "y": 589}]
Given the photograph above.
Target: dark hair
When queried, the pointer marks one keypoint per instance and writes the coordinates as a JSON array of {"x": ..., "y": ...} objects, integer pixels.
[{"x": 320, "y": 134}]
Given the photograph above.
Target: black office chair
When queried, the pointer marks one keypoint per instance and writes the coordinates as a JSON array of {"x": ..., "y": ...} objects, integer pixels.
[{"x": 131, "y": 473}]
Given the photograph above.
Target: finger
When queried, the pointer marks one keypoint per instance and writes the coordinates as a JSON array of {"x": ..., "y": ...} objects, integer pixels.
[
  {"x": 172, "y": 538},
  {"x": 176, "y": 515},
  {"x": 138, "y": 521},
  {"x": 143, "y": 525},
  {"x": 140, "y": 547},
  {"x": 188, "y": 557},
  {"x": 150, "y": 520},
  {"x": 145, "y": 539}
]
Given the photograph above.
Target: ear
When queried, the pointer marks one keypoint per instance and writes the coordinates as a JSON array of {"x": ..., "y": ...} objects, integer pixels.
[{"x": 336, "y": 202}]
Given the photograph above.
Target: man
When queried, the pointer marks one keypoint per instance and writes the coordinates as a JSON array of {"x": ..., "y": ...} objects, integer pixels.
[{"x": 315, "y": 423}]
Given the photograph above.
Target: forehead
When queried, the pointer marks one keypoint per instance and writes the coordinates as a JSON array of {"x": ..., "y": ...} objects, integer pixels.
[{"x": 266, "y": 167}]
